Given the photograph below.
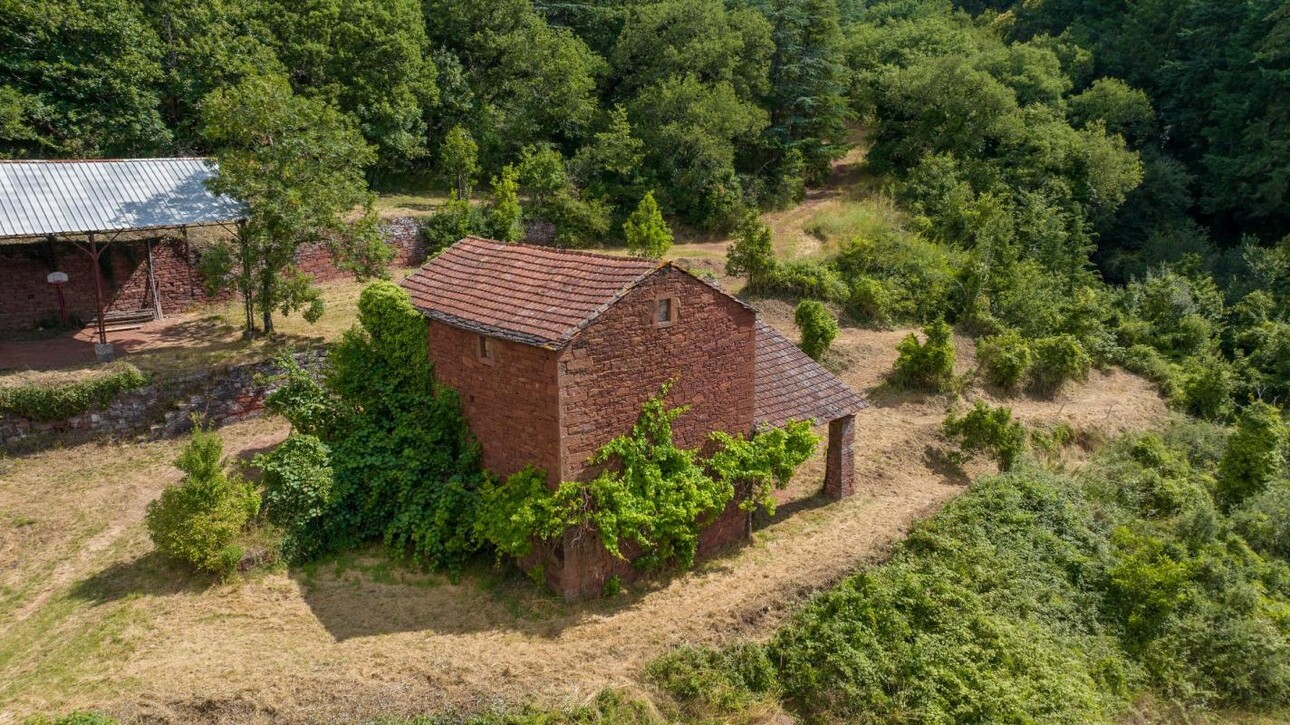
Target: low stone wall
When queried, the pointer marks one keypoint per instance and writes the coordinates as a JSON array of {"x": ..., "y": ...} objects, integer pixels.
[{"x": 160, "y": 410}]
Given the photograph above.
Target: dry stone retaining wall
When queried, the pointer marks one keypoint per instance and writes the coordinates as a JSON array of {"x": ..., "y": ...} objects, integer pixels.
[{"x": 160, "y": 410}]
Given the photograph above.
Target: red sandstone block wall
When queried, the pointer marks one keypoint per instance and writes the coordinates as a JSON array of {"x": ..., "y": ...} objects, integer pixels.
[
  {"x": 622, "y": 358},
  {"x": 512, "y": 405}
]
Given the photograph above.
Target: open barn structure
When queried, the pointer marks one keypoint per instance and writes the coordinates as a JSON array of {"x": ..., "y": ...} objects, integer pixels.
[{"x": 103, "y": 241}]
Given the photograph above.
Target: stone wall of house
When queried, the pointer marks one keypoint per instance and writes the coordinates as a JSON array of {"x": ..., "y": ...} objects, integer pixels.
[
  {"x": 511, "y": 401},
  {"x": 616, "y": 364},
  {"x": 160, "y": 410},
  {"x": 27, "y": 301},
  {"x": 624, "y": 357}
]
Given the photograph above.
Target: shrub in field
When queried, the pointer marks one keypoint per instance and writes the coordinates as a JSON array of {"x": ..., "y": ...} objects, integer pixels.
[
  {"x": 709, "y": 682},
  {"x": 806, "y": 279},
  {"x": 1255, "y": 454},
  {"x": 899, "y": 276},
  {"x": 60, "y": 401},
  {"x": 647, "y": 233},
  {"x": 297, "y": 491},
  {"x": 196, "y": 519},
  {"x": 986, "y": 429},
  {"x": 1004, "y": 358},
  {"x": 928, "y": 365},
  {"x": 818, "y": 326},
  {"x": 1057, "y": 360},
  {"x": 1151, "y": 364},
  {"x": 457, "y": 218}
]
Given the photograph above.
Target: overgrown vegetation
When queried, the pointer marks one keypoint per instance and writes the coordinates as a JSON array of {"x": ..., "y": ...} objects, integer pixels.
[
  {"x": 59, "y": 401},
  {"x": 197, "y": 519},
  {"x": 653, "y": 495},
  {"x": 1037, "y": 596},
  {"x": 986, "y": 429},
  {"x": 378, "y": 450}
]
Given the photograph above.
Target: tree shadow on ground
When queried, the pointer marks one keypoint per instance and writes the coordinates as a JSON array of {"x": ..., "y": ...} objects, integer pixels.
[
  {"x": 151, "y": 574},
  {"x": 939, "y": 462},
  {"x": 789, "y": 509},
  {"x": 367, "y": 594}
]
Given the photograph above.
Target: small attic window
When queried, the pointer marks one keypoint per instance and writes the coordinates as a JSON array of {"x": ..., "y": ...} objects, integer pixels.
[
  {"x": 665, "y": 311},
  {"x": 486, "y": 349}
]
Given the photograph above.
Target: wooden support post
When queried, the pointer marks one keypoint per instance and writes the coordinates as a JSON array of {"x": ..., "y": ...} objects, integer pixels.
[
  {"x": 98, "y": 288},
  {"x": 152, "y": 286}
]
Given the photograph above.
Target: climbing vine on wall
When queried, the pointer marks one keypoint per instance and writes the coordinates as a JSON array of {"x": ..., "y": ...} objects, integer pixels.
[{"x": 651, "y": 493}]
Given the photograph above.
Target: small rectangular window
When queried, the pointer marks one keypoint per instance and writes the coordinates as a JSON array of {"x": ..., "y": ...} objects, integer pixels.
[
  {"x": 485, "y": 349},
  {"x": 665, "y": 313}
]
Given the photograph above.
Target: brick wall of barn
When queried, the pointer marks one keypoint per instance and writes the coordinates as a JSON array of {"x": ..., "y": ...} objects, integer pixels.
[
  {"x": 27, "y": 301},
  {"x": 511, "y": 403},
  {"x": 622, "y": 359}
]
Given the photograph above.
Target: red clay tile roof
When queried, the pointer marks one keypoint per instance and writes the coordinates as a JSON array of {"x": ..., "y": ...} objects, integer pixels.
[
  {"x": 791, "y": 386},
  {"x": 529, "y": 294}
]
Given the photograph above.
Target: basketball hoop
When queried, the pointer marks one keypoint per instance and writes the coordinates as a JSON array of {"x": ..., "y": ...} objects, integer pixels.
[{"x": 58, "y": 279}]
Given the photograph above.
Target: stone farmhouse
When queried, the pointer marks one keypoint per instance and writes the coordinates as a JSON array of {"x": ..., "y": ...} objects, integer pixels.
[{"x": 553, "y": 352}]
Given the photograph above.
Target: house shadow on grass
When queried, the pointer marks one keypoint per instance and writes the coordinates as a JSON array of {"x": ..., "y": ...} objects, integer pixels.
[
  {"x": 151, "y": 574},
  {"x": 366, "y": 594}
]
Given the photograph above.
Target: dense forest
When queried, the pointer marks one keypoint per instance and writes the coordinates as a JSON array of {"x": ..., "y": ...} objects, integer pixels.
[{"x": 717, "y": 105}]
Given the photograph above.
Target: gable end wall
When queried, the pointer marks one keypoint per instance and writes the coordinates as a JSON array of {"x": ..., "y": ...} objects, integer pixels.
[{"x": 617, "y": 363}]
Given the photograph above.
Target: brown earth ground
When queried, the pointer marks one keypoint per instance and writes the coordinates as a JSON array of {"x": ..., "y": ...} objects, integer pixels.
[{"x": 91, "y": 617}]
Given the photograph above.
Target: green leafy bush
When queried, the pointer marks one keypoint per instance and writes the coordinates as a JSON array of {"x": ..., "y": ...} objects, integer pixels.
[
  {"x": 818, "y": 326},
  {"x": 1057, "y": 360},
  {"x": 709, "y": 681},
  {"x": 1005, "y": 359},
  {"x": 897, "y": 276},
  {"x": 806, "y": 279},
  {"x": 647, "y": 233},
  {"x": 197, "y": 519},
  {"x": 1152, "y": 365},
  {"x": 986, "y": 429},
  {"x": 1264, "y": 520},
  {"x": 1255, "y": 454},
  {"x": 928, "y": 365},
  {"x": 404, "y": 468},
  {"x": 297, "y": 491},
  {"x": 1208, "y": 384},
  {"x": 457, "y": 218},
  {"x": 752, "y": 255},
  {"x": 516, "y": 513},
  {"x": 57, "y": 402}
]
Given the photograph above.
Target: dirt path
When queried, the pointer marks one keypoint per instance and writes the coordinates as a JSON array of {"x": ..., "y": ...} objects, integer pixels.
[{"x": 349, "y": 640}]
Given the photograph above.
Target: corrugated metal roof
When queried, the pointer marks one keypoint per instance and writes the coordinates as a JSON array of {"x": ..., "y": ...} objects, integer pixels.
[{"x": 40, "y": 198}]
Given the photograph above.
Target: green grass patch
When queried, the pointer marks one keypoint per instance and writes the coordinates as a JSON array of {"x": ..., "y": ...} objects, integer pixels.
[{"x": 869, "y": 218}]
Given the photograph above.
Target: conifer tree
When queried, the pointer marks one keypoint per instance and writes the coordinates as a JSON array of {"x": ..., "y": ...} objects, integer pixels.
[{"x": 647, "y": 234}]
